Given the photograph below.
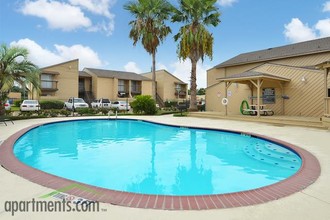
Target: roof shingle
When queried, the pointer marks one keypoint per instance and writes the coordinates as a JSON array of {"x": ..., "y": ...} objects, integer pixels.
[
  {"x": 117, "y": 74},
  {"x": 292, "y": 50}
]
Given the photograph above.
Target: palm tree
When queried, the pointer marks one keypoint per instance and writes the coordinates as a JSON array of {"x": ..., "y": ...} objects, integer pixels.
[
  {"x": 15, "y": 67},
  {"x": 196, "y": 41},
  {"x": 149, "y": 27}
]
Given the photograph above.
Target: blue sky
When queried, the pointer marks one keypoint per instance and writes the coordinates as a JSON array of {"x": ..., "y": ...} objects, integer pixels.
[{"x": 96, "y": 32}]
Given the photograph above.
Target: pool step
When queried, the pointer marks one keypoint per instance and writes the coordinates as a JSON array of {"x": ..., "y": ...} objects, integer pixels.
[{"x": 271, "y": 155}]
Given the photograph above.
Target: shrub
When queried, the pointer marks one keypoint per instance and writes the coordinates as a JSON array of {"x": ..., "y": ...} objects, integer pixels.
[
  {"x": 54, "y": 112},
  {"x": 18, "y": 102},
  {"x": 104, "y": 111},
  {"x": 65, "y": 112},
  {"x": 85, "y": 111},
  {"x": 8, "y": 112},
  {"x": 51, "y": 104},
  {"x": 26, "y": 114},
  {"x": 170, "y": 104},
  {"x": 144, "y": 104}
]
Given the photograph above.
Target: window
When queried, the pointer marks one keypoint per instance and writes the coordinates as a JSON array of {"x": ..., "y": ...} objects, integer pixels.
[
  {"x": 46, "y": 81},
  {"x": 136, "y": 87},
  {"x": 328, "y": 92},
  {"x": 121, "y": 86},
  {"x": 268, "y": 95}
]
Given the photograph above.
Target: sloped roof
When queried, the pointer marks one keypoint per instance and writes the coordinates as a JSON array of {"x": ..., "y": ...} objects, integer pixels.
[
  {"x": 75, "y": 60},
  {"x": 167, "y": 72},
  {"x": 84, "y": 74},
  {"x": 50, "y": 72},
  {"x": 323, "y": 65},
  {"x": 292, "y": 50},
  {"x": 117, "y": 74},
  {"x": 252, "y": 75}
]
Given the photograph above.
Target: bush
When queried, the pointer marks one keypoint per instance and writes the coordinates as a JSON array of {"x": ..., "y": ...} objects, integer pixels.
[
  {"x": 144, "y": 104},
  {"x": 51, "y": 104},
  {"x": 18, "y": 102},
  {"x": 65, "y": 112},
  {"x": 85, "y": 111},
  {"x": 104, "y": 111},
  {"x": 26, "y": 114},
  {"x": 170, "y": 104}
]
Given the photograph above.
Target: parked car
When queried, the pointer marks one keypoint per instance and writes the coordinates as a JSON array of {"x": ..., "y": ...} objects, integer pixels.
[
  {"x": 101, "y": 103},
  {"x": 121, "y": 105},
  {"x": 7, "y": 105},
  {"x": 74, "y": 103},
  {"x": 30, "y": 105}
]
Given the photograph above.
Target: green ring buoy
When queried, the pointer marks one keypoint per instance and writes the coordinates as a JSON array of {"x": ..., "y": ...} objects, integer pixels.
[{"x": 244, "y": 102}]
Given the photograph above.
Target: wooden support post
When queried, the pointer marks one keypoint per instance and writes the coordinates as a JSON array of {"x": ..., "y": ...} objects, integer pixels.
[
  {"x": 258, "y": 98},
  {"x": 282, "y": 94},
  {"x": 228, "y": 84},
  {"x": 326, "y": 73},
  {"x": 258, "y": 84}
]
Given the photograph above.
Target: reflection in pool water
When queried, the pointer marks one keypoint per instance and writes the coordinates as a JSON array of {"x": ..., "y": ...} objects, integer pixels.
[{"x": 143, "y": 157}]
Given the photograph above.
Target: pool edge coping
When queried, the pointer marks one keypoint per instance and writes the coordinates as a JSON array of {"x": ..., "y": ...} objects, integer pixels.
[{"x": 308, "y": 173}]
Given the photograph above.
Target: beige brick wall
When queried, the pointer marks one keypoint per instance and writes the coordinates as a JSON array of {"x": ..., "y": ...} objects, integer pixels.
[
  {"x": 166, "y": 84},
  {"x": 146, "y": 88},
  {"x": 104, "y": 88},
  {"x": 67, "y": 80},
  {"x": 306, "y": 98}
]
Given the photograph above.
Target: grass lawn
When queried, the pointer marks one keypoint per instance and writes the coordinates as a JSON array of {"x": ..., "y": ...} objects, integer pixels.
[{"x": 14, "y": 108}]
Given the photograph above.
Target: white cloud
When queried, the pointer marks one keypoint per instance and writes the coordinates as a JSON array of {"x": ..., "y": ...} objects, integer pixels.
[
  {"x": 99, "y": 7},
  {"x": 87, "y": 57},
  {"x": 59, "y": 15},
  {"x": 44, "y": 57},
  {"x": 296, "y": 31},
  {"x": 323, "y": 26},
  {"x": 161, "y": 66},
  {"x": 326, "y": 7},
  {"x": 225, "y": 3},
  {"x": 69, "y": 16},
  {"x": 132, "y": 67},
  {"x": 182, "y": 70}
]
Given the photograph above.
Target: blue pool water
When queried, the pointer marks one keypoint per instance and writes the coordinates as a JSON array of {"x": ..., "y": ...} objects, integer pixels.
[{"x": 142, "y": 157}]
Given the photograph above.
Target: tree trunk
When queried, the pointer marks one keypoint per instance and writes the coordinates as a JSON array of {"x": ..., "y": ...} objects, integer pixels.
[
  {"x": 193, "y": 86},
  {"x": 154, "y": 89},
  {"x": 3, "y": 97}
]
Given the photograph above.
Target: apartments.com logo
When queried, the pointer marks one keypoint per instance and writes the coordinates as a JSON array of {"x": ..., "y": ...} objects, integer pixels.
[{"x": 62, "y": 202}]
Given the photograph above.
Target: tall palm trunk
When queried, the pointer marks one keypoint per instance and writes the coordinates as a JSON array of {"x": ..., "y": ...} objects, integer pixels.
[
  {"x": 193, "y": 86},
  {"x": 154, "y": 89},
  {"x": 3, "y": 96}
]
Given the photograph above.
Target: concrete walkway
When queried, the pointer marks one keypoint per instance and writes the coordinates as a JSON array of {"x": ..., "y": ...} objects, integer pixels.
[{"x": 311, "y": 203}]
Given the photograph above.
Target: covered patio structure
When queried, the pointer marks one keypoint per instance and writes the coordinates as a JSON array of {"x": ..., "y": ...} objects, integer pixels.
[
  {"x": 254, "y": 80},
  {"x": 326, "y": 67}
]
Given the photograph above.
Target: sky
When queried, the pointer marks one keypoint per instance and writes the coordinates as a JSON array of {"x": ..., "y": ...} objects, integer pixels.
[{"x": 96, "y": 32}]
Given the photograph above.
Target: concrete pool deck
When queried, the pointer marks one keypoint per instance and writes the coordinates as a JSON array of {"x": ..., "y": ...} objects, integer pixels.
[{"x": 312, "y": 202}]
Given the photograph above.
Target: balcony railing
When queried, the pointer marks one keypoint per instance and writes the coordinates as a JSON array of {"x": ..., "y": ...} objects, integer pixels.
[
  {"x": 182, "y": 94},
  {"x": 123, "y": 94},
  {"x": 49, "y": 85}
]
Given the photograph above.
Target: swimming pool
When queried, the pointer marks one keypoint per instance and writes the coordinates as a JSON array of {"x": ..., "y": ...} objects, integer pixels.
[{"x": 147, "y": 158}]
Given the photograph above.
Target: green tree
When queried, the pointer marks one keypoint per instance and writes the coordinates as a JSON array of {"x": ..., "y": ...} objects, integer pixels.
[
  {"x": 144, "y": 104},
  {"x": 149, "y": 27},
  {"x": 201, "y": 91},
  {"x": 195, "y": 41},
  {"x": 15, "y": 67}
]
